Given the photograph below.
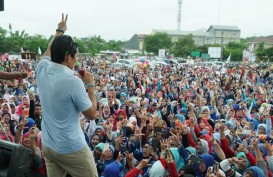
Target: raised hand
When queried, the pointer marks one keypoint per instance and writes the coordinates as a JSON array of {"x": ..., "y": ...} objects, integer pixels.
[
  {"x": 88, "y": 77},
  {"x": 210, "y": 172},
  {"x": 138, "y": 133},
  {"x": 108, "y": 128},
  {"x": 164, "y": 145},
  {"x": 100, "y": 106},
  {"x": 255, "y": 143},
  {"x": 119, "y": 140},
  {"x": 242, "y": 148},
  {"x": 171, "y": 117},
  {"x": 129, "y": 158},
  {"x": 124, "y": 122},
  {"x": 33, "y": 132},
  {"x": 119, "y": 125},
  {"x": 267, "y": 146},
  {"x": 185, "y": 130},
  {"x": 213, "y": 141},
  {"x": 169, "y": 156},
  {"x": 233, "y": 132},
  {"x": 104, "y": 155},
  {"x": 145, "y": 162},
  {"x": 31, "y": 97},
  {"x": 232, "y": 160},
  {"x": 127, "y": 102},
  {"x": 120, "y": 157},
  {"x": 62, "y": 25},
  {"x": 21, "y": 125},
  {"x": 222, "y": 127}
]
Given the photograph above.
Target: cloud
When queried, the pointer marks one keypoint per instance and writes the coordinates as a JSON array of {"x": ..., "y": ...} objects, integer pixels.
[{"x": 121, "y": 19}]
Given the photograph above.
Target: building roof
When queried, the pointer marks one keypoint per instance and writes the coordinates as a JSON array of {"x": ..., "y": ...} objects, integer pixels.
[
  {"x": 133, "y": 43},
  {"x": 182, "y": 33},
  {"x": 265, "y": 39},
  {"x": 223, "y": 27}
]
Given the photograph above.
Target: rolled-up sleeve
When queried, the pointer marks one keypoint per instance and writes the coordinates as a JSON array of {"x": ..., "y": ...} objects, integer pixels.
[{"x": 80, "y": 97}]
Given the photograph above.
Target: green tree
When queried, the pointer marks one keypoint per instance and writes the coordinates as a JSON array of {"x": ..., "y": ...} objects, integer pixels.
[
  {"x": 152, "y": 43},
  {"x": 82, "y": 45},
  {"x": 269, "y": 53},
  {"x": 15, "y": 40},
  {"x": 235, "y": 49},
  {"x": 3, "y": 38},
  {"x": 236, "y": 54},
  {"x": 184, "y": 46},
  {"x": 32, "y": 43},
  {"x": 115, "y": 45},
  {"x": 236, "y": 45},
  {"x": 95, "y": 44},
  {"x": 203, "y": 48},
  {"x": 260, "y": 52}
]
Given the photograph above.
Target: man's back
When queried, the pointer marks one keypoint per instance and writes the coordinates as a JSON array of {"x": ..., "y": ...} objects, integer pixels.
[{"x": 62, "y": 97}]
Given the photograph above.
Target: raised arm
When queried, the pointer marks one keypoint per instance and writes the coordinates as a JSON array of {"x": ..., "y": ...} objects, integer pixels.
[
  {"x": 14, "y": 75},
  {"x": 60, "y": 31}
]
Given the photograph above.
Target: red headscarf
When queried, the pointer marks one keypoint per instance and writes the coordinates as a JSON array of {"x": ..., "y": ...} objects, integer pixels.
[{"x": 207, "y": 138}]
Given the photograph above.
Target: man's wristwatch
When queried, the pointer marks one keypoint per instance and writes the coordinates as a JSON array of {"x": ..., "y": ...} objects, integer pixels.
[
  {"x": 60, "y": 30},
  {"x": 90, "y": 85}
]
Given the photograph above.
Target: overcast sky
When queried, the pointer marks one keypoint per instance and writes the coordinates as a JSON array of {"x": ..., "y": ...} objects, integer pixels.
[{"x": 121, "y": 19}]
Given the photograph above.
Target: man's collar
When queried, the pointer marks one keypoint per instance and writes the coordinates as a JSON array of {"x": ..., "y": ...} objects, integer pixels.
[{"x": 62, "y": 67}]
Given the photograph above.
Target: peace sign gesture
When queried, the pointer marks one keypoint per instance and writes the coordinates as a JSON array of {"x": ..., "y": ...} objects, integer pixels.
[{"x": 62, "y": 24}]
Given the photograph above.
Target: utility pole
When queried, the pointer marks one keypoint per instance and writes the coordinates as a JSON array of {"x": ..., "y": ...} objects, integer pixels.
[
  {"x": 222, "y": 46},
  {"x": 219, "y": 11}
]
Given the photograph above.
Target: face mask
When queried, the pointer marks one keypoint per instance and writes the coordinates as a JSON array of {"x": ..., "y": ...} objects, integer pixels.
[{"x": 206, "y": 131}]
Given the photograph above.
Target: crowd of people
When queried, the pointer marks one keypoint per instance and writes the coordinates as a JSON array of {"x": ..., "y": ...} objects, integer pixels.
[{"x": 188, "y": 122}]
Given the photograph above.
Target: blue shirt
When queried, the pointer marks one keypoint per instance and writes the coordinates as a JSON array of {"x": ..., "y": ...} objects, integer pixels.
[{"x": 62, "y": 97}]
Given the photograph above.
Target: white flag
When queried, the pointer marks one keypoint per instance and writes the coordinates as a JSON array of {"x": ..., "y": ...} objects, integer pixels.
[
  {"x": 251, "y": 47},
  {"x": 22, "y": 50},
  {"x": 228, "y": 59},
  {"x": 39, "y": 51}
]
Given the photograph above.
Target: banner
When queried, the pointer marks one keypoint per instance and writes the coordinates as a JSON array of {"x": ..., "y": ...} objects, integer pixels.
[
  {"x": 249, "y": 56},
  {"x": 215, "y": 52},
  {"x": 161, "y": 53}
]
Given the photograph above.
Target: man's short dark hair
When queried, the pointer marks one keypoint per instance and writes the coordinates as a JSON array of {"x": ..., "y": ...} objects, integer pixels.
[
  {"x": 38, "y": 105},
  {"x": 61, "y": 46}
]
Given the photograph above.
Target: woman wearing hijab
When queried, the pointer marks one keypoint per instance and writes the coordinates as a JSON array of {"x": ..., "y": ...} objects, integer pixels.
[
  {"x": 5, "y": 108},
  {"x": 5, "y": 133},
  {"x": 113, "y": 169},
  {"x": 30, "y": 140},
  {"x": 6, "y": 117},
  {"x": 100, "y": 131},
  {"x": 105, "y": 158},
  {"x": 202, "y": 166},
  {"x": 191, "y": 151},
  {"x": 106, "y": 111},
  {"x": 244, "y": 162},
  {"x": 179, "y": 161},
  {"x": 122, "y": 98},
  {"x": 202, "y": 147},
  {"x": 24, "y": 104},
  {"x": 94, "y": 141},
  {"x": 254, "y": 171}
]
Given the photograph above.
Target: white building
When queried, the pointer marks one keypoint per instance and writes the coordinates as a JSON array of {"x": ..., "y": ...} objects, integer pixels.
[
  {"x": 225, "y": 33},
  {"x": 214, "y": 35}
]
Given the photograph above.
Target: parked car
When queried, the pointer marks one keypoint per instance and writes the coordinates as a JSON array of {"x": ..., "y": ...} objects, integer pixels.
[
  {"x": 116, "y": 65},
  {"x": 157, "y": 63},
  {"x": 126, "y": 63}
]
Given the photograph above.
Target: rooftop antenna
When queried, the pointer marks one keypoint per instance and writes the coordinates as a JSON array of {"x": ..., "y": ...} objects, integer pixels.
[{"x": 179, "y": 14}]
